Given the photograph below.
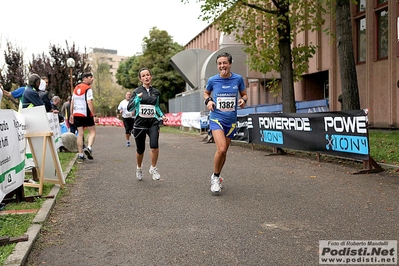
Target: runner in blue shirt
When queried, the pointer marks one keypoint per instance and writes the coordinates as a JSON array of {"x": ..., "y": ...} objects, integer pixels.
[{"x": 222, "y": 94}]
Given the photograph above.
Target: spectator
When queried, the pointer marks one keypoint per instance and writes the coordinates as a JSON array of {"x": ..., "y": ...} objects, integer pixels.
[
  {"x": 66, "y": 112},
  {"x": 31, "y": 96},
  {"x": 55, "y": 101},
  {"x": 16, "y": 94},
  {"x": 43, "y": 93},
  {"x": 66, "y": 106}
]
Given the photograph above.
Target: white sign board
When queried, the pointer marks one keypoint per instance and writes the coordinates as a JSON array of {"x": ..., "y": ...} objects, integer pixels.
[
  {"x": 191, "y": 119},
  {"x": 55, "y": 127},
  {"x": 12, "y": 151},
  {"x": 37, "y": 122}
]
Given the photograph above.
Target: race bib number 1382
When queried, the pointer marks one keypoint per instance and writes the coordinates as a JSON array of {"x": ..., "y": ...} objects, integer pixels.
[{"x": 226, "y": 104}]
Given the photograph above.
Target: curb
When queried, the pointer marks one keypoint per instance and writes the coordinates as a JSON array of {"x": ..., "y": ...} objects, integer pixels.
[{"x": 22, "y": 249}]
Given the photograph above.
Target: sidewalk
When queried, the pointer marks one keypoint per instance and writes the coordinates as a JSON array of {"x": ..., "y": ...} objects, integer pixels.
[
  {"x": 273, "y": 210},
  {"x": 22, "y": 249}
]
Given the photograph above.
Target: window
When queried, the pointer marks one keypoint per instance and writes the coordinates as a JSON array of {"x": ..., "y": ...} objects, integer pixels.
[
  {"x": 361, "y": 6},
  {"x": 360, "y": 22},
  {"x": 361, "y": 37},
  {"x": 382, "y": 29}
]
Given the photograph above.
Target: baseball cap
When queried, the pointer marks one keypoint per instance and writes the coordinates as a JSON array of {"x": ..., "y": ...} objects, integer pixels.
[{"x": 87, "y": 74}]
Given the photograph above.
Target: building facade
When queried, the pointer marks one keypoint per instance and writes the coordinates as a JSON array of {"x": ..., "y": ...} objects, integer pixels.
[
  {"x": 108, "y": 56},
  {"x": 376, "y": 47}
]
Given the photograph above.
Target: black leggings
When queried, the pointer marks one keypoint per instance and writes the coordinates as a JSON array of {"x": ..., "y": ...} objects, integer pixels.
[
  {"x": 128, "y": 124},
  {"x": 140, "y": 136}
]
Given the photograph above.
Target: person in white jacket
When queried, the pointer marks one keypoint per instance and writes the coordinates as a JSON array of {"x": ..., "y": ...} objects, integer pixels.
[{"x": 127, "y": 117}]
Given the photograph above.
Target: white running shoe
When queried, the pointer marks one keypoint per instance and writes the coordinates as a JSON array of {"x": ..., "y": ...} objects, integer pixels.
[
  {"x": 154, "y": 172},
  {"x": 220, "y": 182},
  {"x": 139, "y": 174},
  {"x": 215, "y": 184}
]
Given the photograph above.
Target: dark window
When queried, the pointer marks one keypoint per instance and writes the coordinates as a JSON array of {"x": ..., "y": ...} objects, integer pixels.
[
  {"x": 360, "y": 22},
  {"x": 361, "y": 6},
  {"x": 382, "y": 29},
  {"x": 361, "y": 39}
]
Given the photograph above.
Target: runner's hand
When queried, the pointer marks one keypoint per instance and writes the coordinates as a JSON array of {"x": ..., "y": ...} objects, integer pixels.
[{"x": 210, "y": 105}]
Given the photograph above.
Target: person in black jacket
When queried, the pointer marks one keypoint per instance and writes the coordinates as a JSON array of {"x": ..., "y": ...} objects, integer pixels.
[
  {"x": 31, "y": 96},
  {"x": 144, "y": 103},
  {"x": 43, "y": 93}
]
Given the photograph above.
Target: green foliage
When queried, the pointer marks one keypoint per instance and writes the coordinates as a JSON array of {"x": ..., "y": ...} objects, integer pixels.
[
  {"x": 124, "y": 74},
  {"x": 106, "y": 94},
  {"x": 258, "y": 25},
  {"x": 158, "y": 49},
  {"x": 55, "y": 69},
  {"x": 384, "y": 146}
]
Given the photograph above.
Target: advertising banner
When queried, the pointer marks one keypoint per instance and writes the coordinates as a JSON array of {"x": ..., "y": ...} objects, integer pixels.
[
  {"x": 244, "y": 129},
  {"x": 336, "y": 133},
  {"x": 174, "y": 119},
  {"x": 191, "y": 119},
  {"x": 12, "y": 151}
]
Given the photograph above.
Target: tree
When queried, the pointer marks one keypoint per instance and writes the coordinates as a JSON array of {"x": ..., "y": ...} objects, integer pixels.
[
  {"x": 14, "y": 74},
  {"x": 267, "y": 29},
  {"x": 350, "y": 91},
  {"x": 55, "y": 69},
  {"x": 158, "y": 49},
  {"x": 124, "y": 75},
  {"x": 106, "y": 94}
]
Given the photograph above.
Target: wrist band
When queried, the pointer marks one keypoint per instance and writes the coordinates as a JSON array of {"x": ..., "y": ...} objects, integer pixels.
[
  {"x": 245, "y": 101},
  {"x": 208, "y": 100}
]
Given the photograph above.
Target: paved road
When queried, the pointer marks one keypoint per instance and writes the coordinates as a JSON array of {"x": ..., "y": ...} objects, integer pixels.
[{"x": 273, "y": 210}]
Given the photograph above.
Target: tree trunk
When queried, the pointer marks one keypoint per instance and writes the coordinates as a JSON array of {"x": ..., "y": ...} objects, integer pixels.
[
  {"x": 346, "y": 58},
  {"x": 286, "y": 69}
]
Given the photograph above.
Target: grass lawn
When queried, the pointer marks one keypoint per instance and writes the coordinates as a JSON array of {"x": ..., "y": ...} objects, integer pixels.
[
  {"x": 16, "y": 225},
  {"x": 384, "y": 146}
]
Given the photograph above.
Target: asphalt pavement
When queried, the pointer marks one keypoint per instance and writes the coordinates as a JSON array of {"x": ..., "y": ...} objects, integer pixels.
[{"x": 272, "y": 210}]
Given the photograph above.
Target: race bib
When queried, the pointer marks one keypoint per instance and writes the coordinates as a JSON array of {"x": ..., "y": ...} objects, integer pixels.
[
  {"x": 226, "y": 104},
  {"x": 128, "y": 114},
  {"x": 147, "y": 111}
]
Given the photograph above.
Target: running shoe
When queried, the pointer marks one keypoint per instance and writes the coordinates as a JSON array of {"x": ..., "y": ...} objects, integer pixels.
[
  {"x": 128, "y": 144},
  {"x": 80, "y": 159},
  {"x": 154, "y": 172},
  {"x": 88, "y": 153},
  {"x": 215, "y": 184},
  {"x": 220, "y": 182},
  {"x": 139, "y": 174}
]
